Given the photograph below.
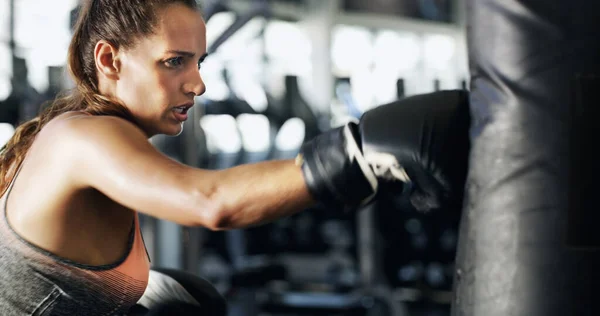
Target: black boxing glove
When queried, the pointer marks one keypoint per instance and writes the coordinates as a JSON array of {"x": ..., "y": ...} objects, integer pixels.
[
  {"x": 422, "y": 140},
  {"x": 336, "y": 173}
]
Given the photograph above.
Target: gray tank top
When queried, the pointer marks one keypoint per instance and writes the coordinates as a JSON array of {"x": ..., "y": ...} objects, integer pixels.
[{"x": 36, "y": 282}]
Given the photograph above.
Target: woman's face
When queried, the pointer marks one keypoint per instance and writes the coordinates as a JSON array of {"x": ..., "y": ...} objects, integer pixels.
[{"x": 159, "y": 77}]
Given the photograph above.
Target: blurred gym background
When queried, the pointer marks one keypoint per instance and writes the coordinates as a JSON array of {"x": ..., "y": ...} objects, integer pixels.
[{"x": 279, "y": 72}]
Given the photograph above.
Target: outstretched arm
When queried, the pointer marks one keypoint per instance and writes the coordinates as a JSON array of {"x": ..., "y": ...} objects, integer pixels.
[
  {"x": 115, "y": 157},
  {"x": 257, "y": 193}
]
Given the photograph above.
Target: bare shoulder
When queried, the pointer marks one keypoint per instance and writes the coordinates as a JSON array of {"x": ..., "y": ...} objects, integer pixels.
[
  {"x": 80, "y": 143},
  {"x": 75, "y": 127},
  {"x": 114, "y": 157}
]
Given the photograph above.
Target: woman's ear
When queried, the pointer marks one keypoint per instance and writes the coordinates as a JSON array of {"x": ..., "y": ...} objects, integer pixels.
[{"x": 107, "y": 61}]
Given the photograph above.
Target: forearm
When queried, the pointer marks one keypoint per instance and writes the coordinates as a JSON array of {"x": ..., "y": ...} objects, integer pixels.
[{"x": 259, "y": 193}]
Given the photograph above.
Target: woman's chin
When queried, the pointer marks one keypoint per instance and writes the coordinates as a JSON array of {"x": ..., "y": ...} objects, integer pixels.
[{"x": 175, "y": 129}]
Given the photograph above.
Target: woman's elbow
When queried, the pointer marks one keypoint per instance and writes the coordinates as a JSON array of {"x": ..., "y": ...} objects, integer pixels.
[
  {"x": 217, "y": 223},
  {"x": 217, "y": 209},
  {"x": 223, "y": 216},
  {"x": 210, "y": 213}
]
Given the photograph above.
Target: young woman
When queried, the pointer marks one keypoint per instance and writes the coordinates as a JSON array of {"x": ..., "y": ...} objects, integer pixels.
[
  {"x": 73, "y": 179},
  {"x": 75, "y": 176}
]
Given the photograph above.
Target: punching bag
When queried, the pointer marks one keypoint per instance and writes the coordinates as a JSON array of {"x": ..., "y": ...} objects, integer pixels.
[{"x": 528, "y": 242}]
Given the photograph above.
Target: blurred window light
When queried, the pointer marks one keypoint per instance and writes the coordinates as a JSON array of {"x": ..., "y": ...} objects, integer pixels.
[
  {"x": 291, "y": 135},
  {"x": 217, "y": 25},
  {"x": 43, "y": 24},
  {"x": 397, "y": 51},
  {"x": 216, "y": 88},
  {"x": 5, "y": 57},
  {"x": 246, "y": 85},
  {"x": 385, "y": 89},
  {"x": 42, "y": 36},
  {"x": 363, "y": 87},
  {"x": 351, "y": 48},
  {"x": 299, "y": 67},
  {"x": 255, "y": 95},
  {"x": 439, "y": 51},
  {"x": 6, "y": 132},
  {"x": 255, "y": 130},
  {"x": 274, "y": 74},
  {"x": 4, "y": 21},
  {"x": 221, "y": 134},
  {"x": 5, "y": 71},
  {"x": 287, "y": 41},
  {"x": 397, "y": 54},
  {"x": 254, "y": 51}
]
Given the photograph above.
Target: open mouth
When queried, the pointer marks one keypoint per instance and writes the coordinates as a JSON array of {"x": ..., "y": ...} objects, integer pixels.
[
  {"x": 181, "y": 109},
  {"x": 181, "y": 112}
]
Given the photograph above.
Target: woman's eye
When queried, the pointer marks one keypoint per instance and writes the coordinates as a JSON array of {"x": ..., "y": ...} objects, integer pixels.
[{"x": 174, "y": 62}]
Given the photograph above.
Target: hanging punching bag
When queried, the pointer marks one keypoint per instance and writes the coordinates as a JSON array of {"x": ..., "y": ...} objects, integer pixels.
[{"x": 529, "y": 240}]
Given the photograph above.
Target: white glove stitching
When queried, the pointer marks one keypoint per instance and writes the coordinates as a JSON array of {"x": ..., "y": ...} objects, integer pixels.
[
  {"x": 355, "y": 153},
  {"x": 386, "y": 166}
]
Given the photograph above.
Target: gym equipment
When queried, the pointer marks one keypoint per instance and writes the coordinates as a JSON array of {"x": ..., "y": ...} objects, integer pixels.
[
  {"x": 297, "y": 106},
  {"x": 23, "y": 102},
  {"x": 293, "y": 120},
  {"x": 291, "y": 112},
  {"x": 232, "y": 105},
  {"x": 56, "y": 84},
  {"x": 339, "y": 289},
  {"x": 528, "y": 241},
  {"x": 276, "y": 246},
  {"x": 372, "y": 285},
  {"x": 341, "y": 279},
  {"x": 341, "y": 292},
  {"x": 401, "y": 89},
  {"x": 232, "y": 141},
  {"x": 251, "y": 138}
]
